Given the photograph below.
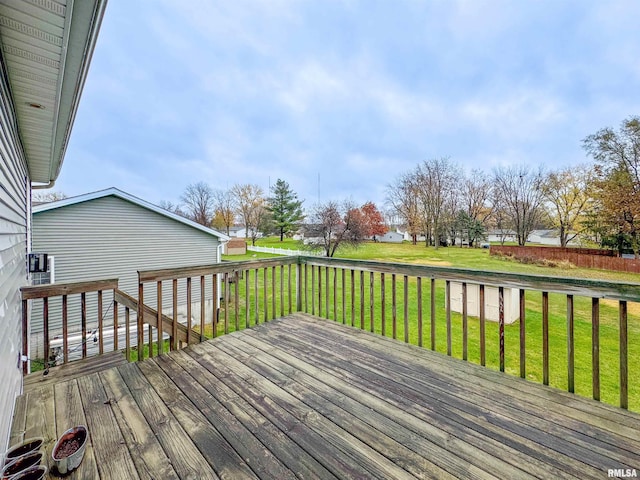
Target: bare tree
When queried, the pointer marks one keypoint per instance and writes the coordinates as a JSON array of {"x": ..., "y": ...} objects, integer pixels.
[
  {"x": 402, "y": 199},
  {"x": 198, "y": 202},
  {"x": 567, "y": 193},
  {"x": 224, "y": 210},
  {"x": 519, "y": 190},
  {"x": 248, "y": 199},
  {"x": 333, "y": 225},
  {"x": 435, "y": 180},
  {"x": 476, "y": 193},
  {"x": 171, "y": 207},
  {"x": 41, "y": 197}
]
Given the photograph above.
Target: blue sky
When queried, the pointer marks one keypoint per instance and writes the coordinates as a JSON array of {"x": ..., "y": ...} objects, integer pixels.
[{"x": 355, "y": 91}]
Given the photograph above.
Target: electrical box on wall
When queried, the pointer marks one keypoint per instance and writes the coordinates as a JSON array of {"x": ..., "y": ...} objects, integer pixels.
[{"x": 37, "y": 262}]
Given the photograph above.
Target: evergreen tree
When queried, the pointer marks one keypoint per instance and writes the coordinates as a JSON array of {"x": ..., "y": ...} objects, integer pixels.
[{"x": 285, "y": 208}]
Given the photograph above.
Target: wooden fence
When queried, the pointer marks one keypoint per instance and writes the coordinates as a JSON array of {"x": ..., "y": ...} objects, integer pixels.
[{"x": 584, "y": 258}]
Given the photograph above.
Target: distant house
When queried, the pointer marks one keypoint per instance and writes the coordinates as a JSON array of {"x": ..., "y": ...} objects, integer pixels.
[
  {"x": 547, "y": 237},
  {"x": 391, "y": 237},
  {"x": 501, "y": 236},
  {"x": 240, "y": 231},
  {"x": 112, "y": 234}
]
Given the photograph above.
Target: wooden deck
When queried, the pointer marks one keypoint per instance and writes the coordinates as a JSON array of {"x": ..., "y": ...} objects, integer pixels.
[{"x": 305, "y": 398}]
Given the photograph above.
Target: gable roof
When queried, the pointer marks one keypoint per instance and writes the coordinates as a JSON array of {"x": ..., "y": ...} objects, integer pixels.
[{"x": 114, "y": 192}]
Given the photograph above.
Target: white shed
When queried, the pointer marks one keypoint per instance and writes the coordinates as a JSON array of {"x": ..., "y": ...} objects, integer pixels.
[
  {"x": 112, "y": 234},
  {"x": 391, "y": 237}
]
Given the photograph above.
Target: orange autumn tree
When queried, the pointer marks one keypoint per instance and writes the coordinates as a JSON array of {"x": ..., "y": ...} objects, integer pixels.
[{"x": 373, "y": 221}]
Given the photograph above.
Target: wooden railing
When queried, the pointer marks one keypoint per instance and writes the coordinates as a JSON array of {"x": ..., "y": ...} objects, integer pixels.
[
  {"x": 577, "y": 334},
  {"x": 65, "y": 293},
  {"x": 261, "y": 282},
  {"x": 366, "y": 295}
]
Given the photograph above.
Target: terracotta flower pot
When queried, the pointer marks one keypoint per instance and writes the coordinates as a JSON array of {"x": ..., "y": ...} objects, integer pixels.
[
  {"x": 27, "y": 446},
  {"x": 20, "y": 464},
  {"x": 68, "y": 451},
  {"x": 33, "y": 473}
]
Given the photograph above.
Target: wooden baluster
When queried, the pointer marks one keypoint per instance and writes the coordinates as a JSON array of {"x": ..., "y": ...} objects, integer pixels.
[
  {"x": 174, "y": 325},
  {"x": 419, "y": 294},
  {"x": 226, "y": 302},
  {"x": 570, "y": 345},
  {"x": 383, "y": 304},
  {"x": 306, "y": 290},
  {"x": 545, "y": 338},
  {"x": 298, "y": 287},
  {"x": 394, "y": 307},
  {"x": 257, "y": 295},
  {"x": 247, "y": 297},
  {"x": 127, "y": 329},
  {"x": 371, "y": 302},
  {"x": 448, "y": 313},
  {"x": 45, "y": 332},
  {"x": 353, "y": 300},
  {"x": 282, "y": 290},
  {"x": 273, "y": 292},
  {"x": 289, "y": 289},
  {"x": 335, "y": 294},
  {"x": 624, "y": 356},
  {"x": 361, "y": 300},
  {"x": 465, "y": 326},
  {"x": 523, "y": 336},
  {"x": 344, "y": 296},
  {"x": 236, "y": 281},
  {"x": 160, "y": 330},
  {"x": 483, "y": 342},
  {"x": 319, "y": 291},
  {"x": 115, "y": 325},
  {"x": 501, "y": 325},
  {"x": 140, "y": 318},
  {"x": 202, "y": 305},
  {"x": 215, "y": 310},
  {"x": 150, "y": 337},
  {"x": 433, "y": 314},
  {"x": 83, "y": 302},
  {"x": 25, "y": 337},
  {"x": 266, "y": 298},
  {"x": 326, "y": 292},
  {"x": 65, "y": 329},
  {"x": 188, "y": 310},
  {"x": 595, "y": 347},
  {"x": 100, "y": 341},
  {"x": 313, "y": 290},
  {"x": 406, "y": 308}
]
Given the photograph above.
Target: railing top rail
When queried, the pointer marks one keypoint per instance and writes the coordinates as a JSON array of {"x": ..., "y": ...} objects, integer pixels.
[
  {"x": 198, "y": 270},
  {"x": 629, "y": 291},
  {"x": 32, "y": 292}
]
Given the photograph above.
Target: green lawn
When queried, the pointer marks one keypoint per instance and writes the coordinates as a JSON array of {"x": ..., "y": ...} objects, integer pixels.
[{"x": 466, "y": 258}]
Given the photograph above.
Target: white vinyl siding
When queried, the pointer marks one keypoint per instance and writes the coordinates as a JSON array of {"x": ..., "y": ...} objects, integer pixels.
[
  {"x": 110, "y": 237},
  {"x": 13, "y": 249}
]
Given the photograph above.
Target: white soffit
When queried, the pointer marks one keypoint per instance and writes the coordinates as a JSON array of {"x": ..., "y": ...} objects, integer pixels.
[{"x": 46, "y": 47}]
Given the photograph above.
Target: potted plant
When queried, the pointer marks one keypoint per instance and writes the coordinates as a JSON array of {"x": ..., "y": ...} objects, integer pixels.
[
  {"x": 27, "y": 446},
  {"x": 32, "y": 473},
  {"x": 68, "y": 451},
  {"x": 22, "y": 463}
]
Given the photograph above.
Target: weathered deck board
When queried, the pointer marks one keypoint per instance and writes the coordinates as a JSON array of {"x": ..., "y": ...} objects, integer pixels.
[
  {"x": 72, "y": 370},
  {"x": 303, "y": 397},
  {"x": 571, "y": 442}
]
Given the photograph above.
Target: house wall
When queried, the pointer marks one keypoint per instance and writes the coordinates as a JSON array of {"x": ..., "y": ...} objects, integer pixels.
[
  {"x": 14, "y": 195},
  {"x": 110, "y": 237}
]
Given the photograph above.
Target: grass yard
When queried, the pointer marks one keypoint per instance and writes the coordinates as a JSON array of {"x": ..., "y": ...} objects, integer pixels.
[{"x": 465, "y": 258}]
